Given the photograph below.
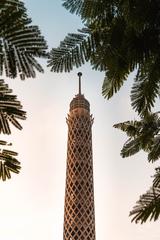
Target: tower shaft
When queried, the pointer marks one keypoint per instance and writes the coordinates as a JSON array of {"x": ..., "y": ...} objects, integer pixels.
[{"x": 79, "y": 213}]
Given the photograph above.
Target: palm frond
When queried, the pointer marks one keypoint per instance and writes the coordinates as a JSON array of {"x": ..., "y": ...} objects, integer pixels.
[
  {"x": 156, "y": 181},
  {"x": 154, "y": 153},
  {"x": 88, "y": 10},
  {"x": 148, "y": 206},
  {"x": 73, "y": 51},
  {"x": 131, "y": 147},
  {"x": 133, "y": 43},
  {"x": 112, "y": 83},
  {"x": 131, "y": 128},
  {"x": 138, "y": 14},
  {"x": 12, "y": 3},
  {"x": 10, "y": 109},
  {"x": 145, "y": 88},
  {"x": 20, "y": 42},
  {"x": 117, "y": 63},
  {"x": 74, "y": 6},
  {"x": 143, "y": 134},
  {"x": 8, "y": 162}
]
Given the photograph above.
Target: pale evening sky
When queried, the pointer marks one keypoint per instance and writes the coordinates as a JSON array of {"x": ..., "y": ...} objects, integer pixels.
[{"x": 32, "y": 202}]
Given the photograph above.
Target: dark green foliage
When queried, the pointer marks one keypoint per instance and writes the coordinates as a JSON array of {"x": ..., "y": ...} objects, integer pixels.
[
  {"x": 121, "y": 37},
  {"x": 20, "y": 42},
  {"x": 145, "y": 89},
  {"x": 72, "y": 51},
  {"x": 8, "y": 162},
  {"x": 89, "y": 10},
  {"x": 148, "y": 207},
  {"x": 20, "y": 45},
  {"x": 143, "y": 135},
  {"x": 156, "y": 181},
  {"x": 10, "y": 109}
]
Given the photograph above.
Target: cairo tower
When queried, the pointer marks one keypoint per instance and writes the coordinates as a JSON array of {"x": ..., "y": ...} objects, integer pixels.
[{"x": 79, "y": 213}]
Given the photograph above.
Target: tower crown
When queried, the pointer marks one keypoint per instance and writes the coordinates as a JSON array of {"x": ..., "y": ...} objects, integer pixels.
[{"x": 79, "y": 100}]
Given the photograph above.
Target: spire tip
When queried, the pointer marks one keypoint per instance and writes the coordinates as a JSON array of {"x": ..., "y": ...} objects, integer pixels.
[{"x": 79, "y": 75}]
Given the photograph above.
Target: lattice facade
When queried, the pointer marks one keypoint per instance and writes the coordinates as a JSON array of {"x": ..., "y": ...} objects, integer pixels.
[{"x": 79, "y": 214}]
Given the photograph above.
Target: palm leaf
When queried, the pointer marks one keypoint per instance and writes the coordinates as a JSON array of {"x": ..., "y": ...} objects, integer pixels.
[
  {"x": 86, "y": 9},
  {"x": 148, "y": 206},
  {"x": 74, "y": 6},
  {"x": 89, "y": 9},
  {"x": 10, "y": 109},
  {"x": 156, "y": 181},
  {"x": 20, "y": 42},
  {"x": 73, "y": 51},
  {"x": 146, "y": 88},
  {"x": 154, "y": 153},
  {"x": 143, "y": 134},
  {"x": 8, "y": 162},
  {"x": 112, "y": 83},
  {"x": 132, "y": 128},
  {"x": 131, "y": 147}
]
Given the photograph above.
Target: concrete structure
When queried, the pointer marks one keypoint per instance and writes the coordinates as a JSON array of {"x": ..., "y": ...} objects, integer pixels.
[{"x": 79, "y": 214}]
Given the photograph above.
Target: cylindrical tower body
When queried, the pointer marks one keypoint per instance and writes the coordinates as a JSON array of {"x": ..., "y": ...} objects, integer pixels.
[{"x": 79, "y": 214}]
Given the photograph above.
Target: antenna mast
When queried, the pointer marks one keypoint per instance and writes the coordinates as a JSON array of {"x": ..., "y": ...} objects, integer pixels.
[{"x": 79, "y": 75}]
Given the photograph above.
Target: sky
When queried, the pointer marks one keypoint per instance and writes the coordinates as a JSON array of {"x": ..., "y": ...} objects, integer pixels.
[{"x": 32, "y": 203}]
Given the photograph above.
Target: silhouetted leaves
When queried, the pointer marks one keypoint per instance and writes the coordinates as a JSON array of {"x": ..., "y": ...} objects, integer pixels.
[
  {"x": 120, "y": 37},
  {"x": 143, "y": 135},
  {"x": 72, "y": 52},
  {"x": 156, "y": 181},
  {"x": 10, "y": 112},
  {"x": 148, "y": 206},
  {"x": 8, "y": 162},
  {"x": 10, "y": 109},
  {"x": 20, "y": 45},
  {"x": 20, "y": 42},
  {"x": 146, "y": 89}
]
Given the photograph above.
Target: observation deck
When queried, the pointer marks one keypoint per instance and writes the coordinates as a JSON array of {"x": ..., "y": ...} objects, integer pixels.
[{"x": 79, "y": 100}]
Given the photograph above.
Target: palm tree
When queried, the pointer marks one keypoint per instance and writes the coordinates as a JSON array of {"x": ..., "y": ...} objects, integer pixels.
[
  {"x": 120, "y": 37},
  {"x": 20, "y": 45}
]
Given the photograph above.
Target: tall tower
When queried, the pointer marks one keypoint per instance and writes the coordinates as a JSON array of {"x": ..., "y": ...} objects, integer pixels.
[{"x": 79, "y": 214}]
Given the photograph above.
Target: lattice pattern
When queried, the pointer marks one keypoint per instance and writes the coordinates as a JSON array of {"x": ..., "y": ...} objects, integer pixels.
[{"x": 79, "y": 217}]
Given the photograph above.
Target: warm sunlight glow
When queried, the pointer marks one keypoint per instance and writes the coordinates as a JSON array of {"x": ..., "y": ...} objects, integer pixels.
[{"x": 32, "y": 203}]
